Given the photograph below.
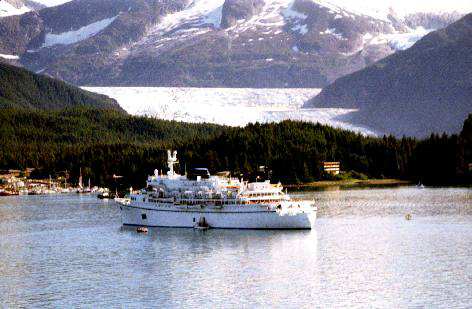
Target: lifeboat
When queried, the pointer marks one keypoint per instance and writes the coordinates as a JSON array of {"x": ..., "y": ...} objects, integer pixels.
[{"x": 142, "y": 229}]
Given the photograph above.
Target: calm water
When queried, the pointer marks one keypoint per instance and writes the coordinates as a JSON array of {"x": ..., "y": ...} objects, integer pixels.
[{"x": 72, "y": 251}]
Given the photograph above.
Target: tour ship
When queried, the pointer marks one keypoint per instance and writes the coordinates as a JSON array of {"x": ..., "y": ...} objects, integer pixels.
[{"x": 200, "y": 200}]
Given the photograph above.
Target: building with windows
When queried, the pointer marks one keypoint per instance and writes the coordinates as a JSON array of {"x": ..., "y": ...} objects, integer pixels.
[{"x": 332, "y": 168}]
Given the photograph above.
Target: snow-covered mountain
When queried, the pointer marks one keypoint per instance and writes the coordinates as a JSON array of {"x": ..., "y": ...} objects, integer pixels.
[
  {"x": 426, "y": 88},
  {"x": 18, "y": 7},
  {"x": 215, "y": 43}
]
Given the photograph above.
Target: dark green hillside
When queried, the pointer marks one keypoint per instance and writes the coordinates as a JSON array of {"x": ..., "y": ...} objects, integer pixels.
[
  {"x": 104, "y": 142},
  {"x": 295, "y": 151},
  {"x": 21, "y": 88},
  {"x": 466, "y": 138}
]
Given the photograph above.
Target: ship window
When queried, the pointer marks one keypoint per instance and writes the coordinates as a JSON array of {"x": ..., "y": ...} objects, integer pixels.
[
  {"x": 144, "y": 199},
  {"x": 193, "y": 219},
  {"x": 143, "y": 216}
]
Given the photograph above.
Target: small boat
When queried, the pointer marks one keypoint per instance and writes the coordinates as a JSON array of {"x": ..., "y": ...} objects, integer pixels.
[
  {"x": 123, "y": 200},
  {"x": 84, "y": 190},
  {"x": 23, "y": 192},
  {"x": 201, "y": 224},
  {"x": 105, "y": 195},
  {"x": 201, "y": 228},
  {"x": 142, "y": 229},
  {"x": 7, "y": 193}
]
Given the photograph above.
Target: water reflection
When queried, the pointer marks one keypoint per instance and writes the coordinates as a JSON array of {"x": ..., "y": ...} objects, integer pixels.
[{"x": 73, "y": 251}]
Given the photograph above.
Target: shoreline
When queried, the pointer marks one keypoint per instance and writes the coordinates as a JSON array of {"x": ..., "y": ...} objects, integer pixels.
[{"x": 351, "y": 183}]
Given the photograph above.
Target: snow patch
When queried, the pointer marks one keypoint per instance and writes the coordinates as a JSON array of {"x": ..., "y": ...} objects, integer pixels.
[
  {"x": 291, "y": 13},
  {"x": 294, "y": 17},
  {"x": 332, "y": 31},
  {"x": 9, "y": 57},
  {"x": 198, "y": 13},
  {"x": 75, "y": 36},
  {"x": 302, "y": 29},
  {"x": 226, "y": 106},
  {"x": 50, "y": 3},
  {"x": 397, "y": 41},
  {"x": 6, "y": 9},
  {"x": 402, "y": 41}
]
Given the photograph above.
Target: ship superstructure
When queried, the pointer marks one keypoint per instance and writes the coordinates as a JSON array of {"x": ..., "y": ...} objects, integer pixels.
[{"x": 201, "y": 200}]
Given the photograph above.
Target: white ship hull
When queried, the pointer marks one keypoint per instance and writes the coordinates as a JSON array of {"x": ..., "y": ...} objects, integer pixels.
[{"x": 228, "y": 217}]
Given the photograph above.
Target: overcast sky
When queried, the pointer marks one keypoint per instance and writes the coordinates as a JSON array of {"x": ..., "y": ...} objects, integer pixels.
[
  {"x": 401, "y": 6},
  {"x": 406, "y": 6}
]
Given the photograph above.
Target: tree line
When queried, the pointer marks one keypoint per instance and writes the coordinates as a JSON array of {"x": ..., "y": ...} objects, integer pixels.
[{"x": 106, "y": 142}]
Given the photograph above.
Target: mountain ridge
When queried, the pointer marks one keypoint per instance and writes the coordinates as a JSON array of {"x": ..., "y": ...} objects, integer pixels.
[
  {"x": 219, "y": 43},
  {"x": 426, "y": 88}
]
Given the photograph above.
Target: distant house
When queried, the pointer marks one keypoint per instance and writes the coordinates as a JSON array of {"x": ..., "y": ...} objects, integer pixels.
[
  {"x": 28, "y": 171},
  {"x": 7, "y": 174},
  {"x": 332, "y": 168}
]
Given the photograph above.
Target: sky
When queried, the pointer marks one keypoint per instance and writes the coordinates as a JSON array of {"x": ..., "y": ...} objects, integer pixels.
[
  {"x": 399, "y": 5},
  {"x": 407, "y": 6}
]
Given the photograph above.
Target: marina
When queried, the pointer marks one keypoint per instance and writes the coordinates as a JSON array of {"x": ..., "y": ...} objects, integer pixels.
[{"x": 15, "y": 182}]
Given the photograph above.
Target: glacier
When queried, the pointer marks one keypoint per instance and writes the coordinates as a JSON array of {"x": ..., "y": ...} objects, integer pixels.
[
  {"x": 74, "y": 36},
  {"x": 227, "y": 106}
]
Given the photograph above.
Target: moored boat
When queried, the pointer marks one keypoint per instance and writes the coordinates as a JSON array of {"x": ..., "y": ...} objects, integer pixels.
[
  {"x": 7, "y": 193},
  {"x": 199, "y": 200},
  {"x": 106, "y": 195}
]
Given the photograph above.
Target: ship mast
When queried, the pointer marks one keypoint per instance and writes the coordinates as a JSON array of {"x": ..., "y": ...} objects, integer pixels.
[
  {"x": 171, "y": 160},
  {"x": 81, "y": 185}
]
